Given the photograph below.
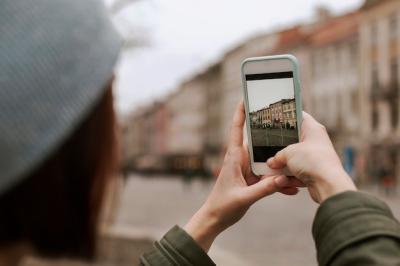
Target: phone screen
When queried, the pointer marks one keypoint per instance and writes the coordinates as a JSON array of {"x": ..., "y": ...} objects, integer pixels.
[{"x": 272, "y": 108}]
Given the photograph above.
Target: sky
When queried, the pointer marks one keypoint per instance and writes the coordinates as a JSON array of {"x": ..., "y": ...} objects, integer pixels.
[
  {"x": 185, "y": 36},
  {"x": 262, "y": 93}
]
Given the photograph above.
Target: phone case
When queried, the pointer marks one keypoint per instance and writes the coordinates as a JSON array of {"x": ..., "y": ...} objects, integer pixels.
[{"x": 297, "y": 94}]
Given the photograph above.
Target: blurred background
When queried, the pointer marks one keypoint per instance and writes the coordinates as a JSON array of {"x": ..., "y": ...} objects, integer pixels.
[{"x": 178, "y": 82}]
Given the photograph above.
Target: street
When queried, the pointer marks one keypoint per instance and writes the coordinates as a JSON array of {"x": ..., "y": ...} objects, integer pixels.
[
  {"x": 275, "y": 231},
  {"x": 274, "y": 137}
]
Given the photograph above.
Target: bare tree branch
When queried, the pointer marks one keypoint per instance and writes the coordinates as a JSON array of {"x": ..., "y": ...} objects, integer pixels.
[{"x": 119, "y": 5}]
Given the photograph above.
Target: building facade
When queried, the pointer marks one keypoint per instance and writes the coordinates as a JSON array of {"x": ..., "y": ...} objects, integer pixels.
[
  {"x": 335, "y": 86},
  {"x": 350, "y": 82},
  {"x": 281, "y": 114},
  {"x": 295, "y": 41},
  {"x": 231, "y": 77},
  {"x": 379, "y": 65},
  {"x": 289, "y": 113}
]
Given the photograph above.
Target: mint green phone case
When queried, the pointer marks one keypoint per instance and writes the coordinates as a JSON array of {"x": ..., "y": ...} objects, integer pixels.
[{"x": 297, "y": 91}]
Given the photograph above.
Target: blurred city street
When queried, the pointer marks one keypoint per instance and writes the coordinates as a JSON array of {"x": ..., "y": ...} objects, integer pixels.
[
  {"x": 114, "y": 131},
  {"x": 350, "y": 83},
  {"x": 275, "y": 231}
]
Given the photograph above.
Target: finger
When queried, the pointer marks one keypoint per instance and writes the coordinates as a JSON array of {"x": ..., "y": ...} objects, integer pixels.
[
  {"x": 260, "y": 189},
  {"x": 236, "y": 137},
  {"x": 294, "y": 182},
  {"x": 310, "y": 126},
  {"x": 289, "y": 191},
  {"x": 278, "y": 161},
  {"x": 250, "y": 178},
  {"x": 283, "y": 181}
]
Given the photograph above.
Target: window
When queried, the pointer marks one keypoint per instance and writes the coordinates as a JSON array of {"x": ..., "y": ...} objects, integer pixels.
[
  {"x": 374, "y": 80},
  {"x": 374, "y": 115},
  {"x": 394, "y": 93},
  {"x": 394, "y": 75},
  {"x": 393, "y": 26},
  {"x": 354, "y": 101},
  {"x": 374, "y": 33}
]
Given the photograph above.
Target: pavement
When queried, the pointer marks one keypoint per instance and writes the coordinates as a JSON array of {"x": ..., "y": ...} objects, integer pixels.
[
  {"x": 275, "y": 231},
  {"x": 274, "y": 137}
]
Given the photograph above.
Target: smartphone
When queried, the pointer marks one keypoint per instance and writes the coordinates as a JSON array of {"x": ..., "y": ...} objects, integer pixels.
[{"x": 271, "y": 87}]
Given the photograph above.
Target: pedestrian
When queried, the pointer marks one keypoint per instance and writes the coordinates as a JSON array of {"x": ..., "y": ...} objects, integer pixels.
[{"x": 58, "y": 153}]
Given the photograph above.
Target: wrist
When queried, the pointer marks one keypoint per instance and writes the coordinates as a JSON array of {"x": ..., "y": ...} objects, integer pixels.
[
  {"x": 203, "y": 227},
  {"x": 333, "y": 183}
]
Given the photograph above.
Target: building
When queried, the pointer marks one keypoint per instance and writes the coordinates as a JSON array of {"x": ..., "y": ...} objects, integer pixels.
[
  {"x": 379, "y": 68},
  {"x": 289, "y": 113},
  {"x": 131, "y": 139},
  {"x": 186, "y": 125},
  {"x": 336, "y": 86},
  {"x": 295, "y": 41},
  {"x": 214, "y": 136},
  {"x": 231, "y": 78},
  {"x": 138, "y": 139},
  {"x": 255, "y": 119},
  {"x": 266, "y": 117},
  {"x": 276, "y": 114},
  {"x": 261, "y": 118},
  {"x": 350, "y": 82},
  {"x": 281, "y": 114}
]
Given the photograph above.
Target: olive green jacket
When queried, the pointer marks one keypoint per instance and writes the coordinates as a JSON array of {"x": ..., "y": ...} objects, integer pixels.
[{"x": 351, "y": 228}]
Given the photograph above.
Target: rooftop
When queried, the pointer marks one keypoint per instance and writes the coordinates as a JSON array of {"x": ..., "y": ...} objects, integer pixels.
[
  {"x": 336, "y": 30},
  {"x": 292, "y": 37},
  {"x": 371, "y": 3}
]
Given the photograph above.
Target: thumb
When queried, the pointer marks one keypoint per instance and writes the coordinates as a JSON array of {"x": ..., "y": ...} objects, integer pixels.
[
  {"x": 280, "y": 159},
  {"x": 261, "y": 189}
]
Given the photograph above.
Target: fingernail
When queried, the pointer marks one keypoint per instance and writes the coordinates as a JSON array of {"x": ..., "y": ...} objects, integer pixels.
[
  {"x": 281, "y": 181},
  {"x": 269, "y": 161}
]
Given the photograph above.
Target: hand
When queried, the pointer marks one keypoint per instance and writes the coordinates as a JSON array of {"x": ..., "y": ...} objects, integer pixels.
[
  {"x": 314, "y": 162},
  {"x": 235, "y": 190}
]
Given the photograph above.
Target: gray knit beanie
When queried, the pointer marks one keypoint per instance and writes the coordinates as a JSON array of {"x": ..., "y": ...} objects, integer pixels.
[{"x": 56, "y": 56}]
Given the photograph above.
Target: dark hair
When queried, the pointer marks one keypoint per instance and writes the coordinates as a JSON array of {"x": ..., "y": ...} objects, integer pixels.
[{"x": 56, "y": 209}]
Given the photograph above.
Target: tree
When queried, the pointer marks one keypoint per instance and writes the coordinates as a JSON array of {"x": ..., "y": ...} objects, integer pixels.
[
  {"x": 133, "y": 35},
  {"x": 118, "y": 5}
]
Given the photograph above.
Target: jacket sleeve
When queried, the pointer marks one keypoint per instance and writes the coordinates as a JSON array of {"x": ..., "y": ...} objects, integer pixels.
[
  {"x": 176, "y": 248},
  {"x": 354, "y": 228}
]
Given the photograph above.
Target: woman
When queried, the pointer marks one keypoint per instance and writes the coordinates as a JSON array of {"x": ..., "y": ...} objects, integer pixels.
[{"x": 58, "y": 152}]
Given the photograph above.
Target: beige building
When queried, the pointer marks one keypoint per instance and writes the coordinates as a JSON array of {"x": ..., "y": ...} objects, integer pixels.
[
  {"x": 214, "y": 136},
  {"x": 132, "y": 138},
  {"x": 138, "y": 139},
  {"x": 379, "y": 66},
  {"x": 295, "y": 41},
  {"x": 335, "y": 73},
  {"x": 261, "y": 118},
  {"x": 289, "y": 113},
  {"x": 276, "y": 114},
  {"x": 350, "y": 82},
  {"x": 266, "y": 117},
  {"x": 231, "y": 78},
  {"x": 336, "y": 86},
  {"x": 255, "y": 118},
  {"x": 187, "y": 119}
]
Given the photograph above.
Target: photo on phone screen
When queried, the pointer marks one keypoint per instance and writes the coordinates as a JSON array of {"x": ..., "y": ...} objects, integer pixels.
[{"x": 272, "y": 109}]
